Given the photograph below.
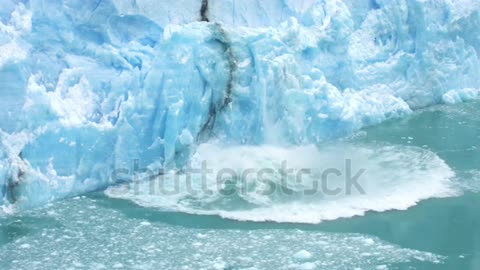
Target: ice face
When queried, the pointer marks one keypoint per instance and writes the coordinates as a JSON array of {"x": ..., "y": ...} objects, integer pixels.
[{"x": 88, "y": 87}]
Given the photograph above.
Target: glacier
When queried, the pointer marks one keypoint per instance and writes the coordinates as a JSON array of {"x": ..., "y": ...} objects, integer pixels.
[{"x": 89, "y": 86}]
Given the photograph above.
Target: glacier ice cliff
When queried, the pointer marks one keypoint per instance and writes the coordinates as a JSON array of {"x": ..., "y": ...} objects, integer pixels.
[{"x": 87, "y": 86}]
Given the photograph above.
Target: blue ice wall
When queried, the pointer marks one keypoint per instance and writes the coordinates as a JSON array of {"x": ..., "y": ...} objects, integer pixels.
[{"x": 88, "y": 87}]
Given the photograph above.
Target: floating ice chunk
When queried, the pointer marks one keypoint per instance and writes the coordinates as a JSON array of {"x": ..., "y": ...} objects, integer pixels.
[
  {"x": 369, "y": 242},
  {"x": 303, "y": 255}
]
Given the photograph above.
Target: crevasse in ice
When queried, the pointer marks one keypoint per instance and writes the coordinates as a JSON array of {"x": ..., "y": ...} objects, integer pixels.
[{"x": 88, "y": 86}]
